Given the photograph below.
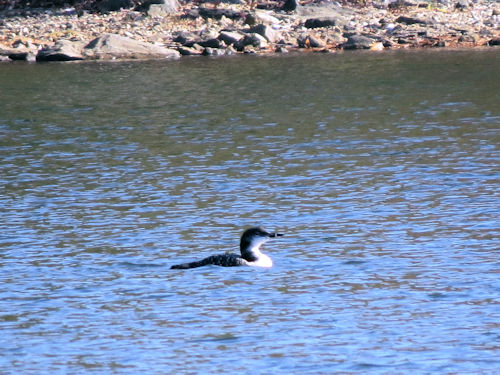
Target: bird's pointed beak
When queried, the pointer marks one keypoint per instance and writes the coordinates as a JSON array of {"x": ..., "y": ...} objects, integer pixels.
[{"x": 275, "y": 234}]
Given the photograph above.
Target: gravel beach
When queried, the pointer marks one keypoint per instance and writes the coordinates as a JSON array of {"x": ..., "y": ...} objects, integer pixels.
[{"x": 171, "y": 29}]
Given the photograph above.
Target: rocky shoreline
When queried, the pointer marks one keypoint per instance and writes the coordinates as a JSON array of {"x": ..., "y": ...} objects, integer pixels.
[{"x": 171, "y": 29}]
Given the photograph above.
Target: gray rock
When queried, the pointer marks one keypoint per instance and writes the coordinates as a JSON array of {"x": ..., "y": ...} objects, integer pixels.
[
  {"x": 250, "y": 19},
  {"x": 262, "y": 16},
  {"x": 63, "y": 50},
  {"x": 309, "y": 41},
  {"x": 170, "y": 6},
  {"x": 209, "y": 33},
  {"x": 218, "y": 51},
  {"x": 113, "y": 5},
  {"x": 281, "y": 49},
  {"x": 313, "y": 23},
  {"x": 230, "y": 37},
  {"x": 325, "y": 9},
  {"x": 462, "y": 5},
  {"x": 162, "y": 8},
  {"x": 251, "y": 39},
  {"x": 266, "y": 31},
  {"x": 156, "y": 10},
  {"x": 186, "y": 38},
  {"x": 358, "y": 42},
  {"x": 411, "y": 20},
  {"x": 196, "y": 50},
  {"x": 22, "y": 56},
  {"x": 400, "y": 4},
  {"x": 468, "y": 38},
  {"x": 113, "y": 46},
  {"x": 210, "y": 43},
  {"x": 290, "y": 5},
  {"x": 336, "y": 38},
  {"x": 219, "y": 13},
  {"x": 485, "y": 32},
  {"x": 494, "y": 42},
  {"x": 20, "y": 53}
]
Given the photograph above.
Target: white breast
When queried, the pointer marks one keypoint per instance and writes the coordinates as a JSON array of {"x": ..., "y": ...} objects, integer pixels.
[{"x": 262, "y": 261}]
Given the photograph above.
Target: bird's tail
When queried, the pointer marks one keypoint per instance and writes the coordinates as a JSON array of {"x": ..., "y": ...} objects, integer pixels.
[
  {"x": 224, "y": 260},
  {"x": 183, "y": 266}
]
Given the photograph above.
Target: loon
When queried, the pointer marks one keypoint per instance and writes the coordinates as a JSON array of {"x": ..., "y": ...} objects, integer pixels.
[{"x": 251, "y": 241}]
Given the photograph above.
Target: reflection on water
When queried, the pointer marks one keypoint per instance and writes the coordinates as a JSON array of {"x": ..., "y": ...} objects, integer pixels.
[{"x": 381, "y": 169}]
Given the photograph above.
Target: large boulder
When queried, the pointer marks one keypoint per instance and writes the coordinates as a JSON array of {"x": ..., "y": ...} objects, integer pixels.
[
  {"x": 113, "y": 46},
  {"x": 63, "y": 50}
]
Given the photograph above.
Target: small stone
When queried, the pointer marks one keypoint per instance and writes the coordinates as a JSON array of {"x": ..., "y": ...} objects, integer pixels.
[
  {"x": 212, "y": 43},
  {"x": 462, "y": 4},
  {"x": 494, "y": 42},
  {"x": 400, "y": 4},
  {"x": 19, "y": 44},
  {"x": 185, "y": 38},
  {"x": 411, "y": 20},
  {"x": 313, "y": 23},
  {"x": 266, "y": 31},
  {"x": 309, "y": 41},
  {"x": 161, "y": 8},
  {"x": 265, "y": 17},
  {"x": 252, "y": 39},
  {"x": 22, "y": 56},
  {"x": 156, "y": 10},
  {"x": 250, "y": 19},
  {"x": 468, "y": 38},
  {"x": 230, "y": 37},
  {"x": 358, "y": 42},
  {"x": 290, "y": 5},
  {"x": 219, "y": 13},
  {"x": 378, "y": 46},
  {"x": 190, "y": 51},
  {"x": 106, "y": 6},
  {"x": 281, "y": 49},
  {"x": 213, "y": 52}
]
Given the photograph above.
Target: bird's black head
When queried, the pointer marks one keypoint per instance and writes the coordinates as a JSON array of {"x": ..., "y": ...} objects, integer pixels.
[{"x": 252, "y": 239}]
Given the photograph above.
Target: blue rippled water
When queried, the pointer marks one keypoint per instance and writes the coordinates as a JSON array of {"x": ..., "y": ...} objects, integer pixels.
[{"x": 381, "y": 169}]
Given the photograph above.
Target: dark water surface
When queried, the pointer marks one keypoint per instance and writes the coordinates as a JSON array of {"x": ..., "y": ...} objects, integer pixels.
[{"x": 383, "y": 170}]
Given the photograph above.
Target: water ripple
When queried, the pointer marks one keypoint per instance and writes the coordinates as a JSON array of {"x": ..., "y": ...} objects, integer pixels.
[{"x": 388, "y": 201}]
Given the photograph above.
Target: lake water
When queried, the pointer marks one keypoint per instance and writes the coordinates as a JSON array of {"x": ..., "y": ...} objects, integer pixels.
[{"x": 382, "y": 170}]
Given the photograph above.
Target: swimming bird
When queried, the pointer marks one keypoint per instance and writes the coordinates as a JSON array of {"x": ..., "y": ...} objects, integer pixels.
[{"x": 251, "y": 241}]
